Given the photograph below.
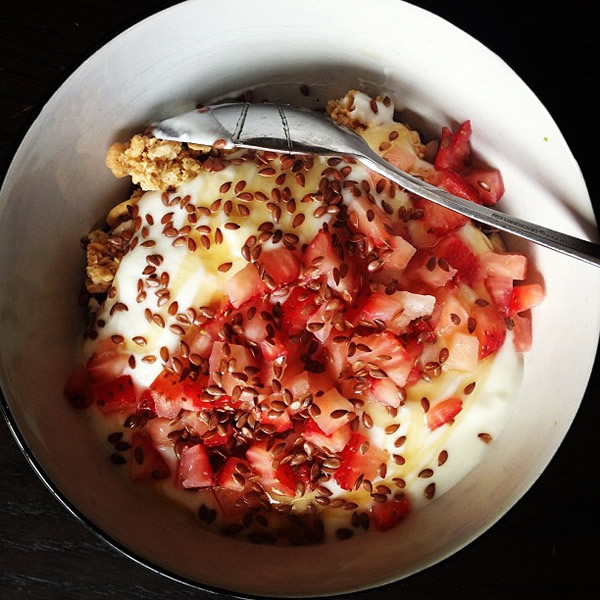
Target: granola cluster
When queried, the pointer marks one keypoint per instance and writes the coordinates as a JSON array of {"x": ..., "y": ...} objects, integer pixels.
[
  {"x": 155, "y": 164},
  {"x": 103, "y": 254}
]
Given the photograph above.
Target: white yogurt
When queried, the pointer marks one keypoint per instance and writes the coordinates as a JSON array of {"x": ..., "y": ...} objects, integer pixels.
[{"x": 195, "y": 281}]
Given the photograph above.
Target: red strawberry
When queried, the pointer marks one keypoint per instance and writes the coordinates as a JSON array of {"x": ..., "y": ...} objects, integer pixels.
[
  {"x": 443, "y": 412},
  {"x": 525, "y": 297},
  {"x": 455, "y": 149},
  {"x": 459, "y": 256},
  {"x": 386, "y": 515},
  {"x": 490, "y": 329}
]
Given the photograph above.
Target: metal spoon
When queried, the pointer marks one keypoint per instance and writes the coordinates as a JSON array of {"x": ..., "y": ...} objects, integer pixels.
[{"x": 288, "y": 129}]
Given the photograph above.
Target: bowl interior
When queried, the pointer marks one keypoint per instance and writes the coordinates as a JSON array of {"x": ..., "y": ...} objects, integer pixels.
[{"x": 58, "y": 188}]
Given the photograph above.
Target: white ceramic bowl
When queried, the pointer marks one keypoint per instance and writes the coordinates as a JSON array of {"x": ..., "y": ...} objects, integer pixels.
[{"x": 57, "y": 188}]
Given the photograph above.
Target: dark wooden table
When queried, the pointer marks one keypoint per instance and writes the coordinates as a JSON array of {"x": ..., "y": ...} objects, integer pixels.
[{"x": 545, "y": 547}]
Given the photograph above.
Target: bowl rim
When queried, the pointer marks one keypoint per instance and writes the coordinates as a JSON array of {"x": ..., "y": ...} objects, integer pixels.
[{"x": 17, "y": 142}]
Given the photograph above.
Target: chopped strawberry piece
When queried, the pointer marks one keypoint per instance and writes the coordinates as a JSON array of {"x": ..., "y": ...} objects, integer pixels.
[
  {"x": 409, "y": 307},
  {"x": 443, "y": 412},
  {"x": 244, "y": 285},
  {"x": 334, "y": 411},
  {"x": 323, "y": 260},
  {"x": 273, "y": 350},
  {"x": 298, "y": 384},
  {"x": 387, "y": 351},
  {"x": 279, "y": 420},
  {"x": 218, "y": 438},
  {"x": 297, "y": 309},
  {"x": 384, "y": 391},
  {"x": 222, "y": 356},
  {"x": 166, "y": 394},
  {"x": 337, "y": 357},
  {"x": 320, "y": 257},
  {"x": 399, "y": 255},
  {"x": 360, "y": 457},
  {"x": 455, "y": 149},
  {"x": 320, "y": 323},
  {"x": 286, "y": 481},
  {"x": 116, "y": 395},
  {"x": 280, "y": 480},
  {"x": 463, "y": 353},
  {"x": 194, "y": 468},
  {"x": 457, "y": 185},
  {"x": 107, "y": 363},
  {"x": 303, "y": 475},
  {"x": 509, "y": 265},
  {"x": 439, "y": 220},
  {"x": 500, "y": 290},
  {"x": 232, "y": 474},
  {"x": 78, "y": 390},
  {"x": 522, "y": 333},
  {"x": 146, "y": 462},
  {"x": 334, "y": 442},
  {"x": 426, "y": 268},
  {"x": 459, "y": 256},
  {"x": 488, "y": 183},
  {"x": 490, "y": 329},
  {"x": 386, "y": 515},
  {"x": 453, "y": 315},
  {"x": 370, "y": 220},
  {"x": 525, "y": 297},
  {"x": 281, "y": 265},
  {"x": 192, "y": 394}
]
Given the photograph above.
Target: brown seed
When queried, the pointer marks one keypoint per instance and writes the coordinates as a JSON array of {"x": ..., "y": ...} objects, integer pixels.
[
  {"x": 426, "y": 473},
  {"x": 379, "y": 498},
  {"x": 177, "y": 329},
  {"x": 224, "y": 267},
  {"x": 343, "y": 533},
  {"x": 243, "y": 210},
  {"x": 485, "y": 437},
  {"x": 367, "y": 421},
  {"x": 117, "y": 459},
  {"x": 158, "y": 320},
  {"x": 338, "y": 414},
  {"x": 400, "y": 441},
  {"x": 471, "y": 324},
  {"x": 443, "y": 264},
  {"x": 429, "y": 492},
  {"x": 398, "y": 459},
  {"x": 443, "y": 355},
  {"x": 442, "y": 457},
  {"x": 298, "y": 220},
  {"x": 469, "y": 388}
]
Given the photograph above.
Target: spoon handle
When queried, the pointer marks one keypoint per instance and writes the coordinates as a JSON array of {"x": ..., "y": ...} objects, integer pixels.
[{"x": 555, "y": 240}]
